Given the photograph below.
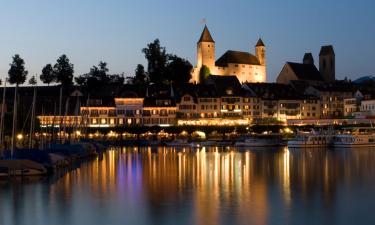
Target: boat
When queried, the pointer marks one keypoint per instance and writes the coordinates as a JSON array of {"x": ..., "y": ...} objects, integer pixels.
[
  {"x": 208, "y": 143},
  {"x": 261, "y": 140},
  {"x": 312, "y": 140},
  {"x": 181, "y": 143},
  {"x": 355, "y": 137},
  {"x": 20, "y": 167}
]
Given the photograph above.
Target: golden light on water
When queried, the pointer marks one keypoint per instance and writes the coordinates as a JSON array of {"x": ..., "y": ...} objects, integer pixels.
[{"x": 207, "y": 180}]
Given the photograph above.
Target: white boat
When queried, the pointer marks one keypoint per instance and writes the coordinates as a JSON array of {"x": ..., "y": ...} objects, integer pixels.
[
  {"x": 312, "y": 140},
  {"x": 359, "y": 137},
  {"x": 261, "y": 140},
  {"x": 20, "y": 167},
  {"x": 181, "y": 143}
]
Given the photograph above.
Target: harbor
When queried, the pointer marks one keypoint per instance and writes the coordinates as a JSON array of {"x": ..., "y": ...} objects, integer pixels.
[{"x": 144, "y": 186}]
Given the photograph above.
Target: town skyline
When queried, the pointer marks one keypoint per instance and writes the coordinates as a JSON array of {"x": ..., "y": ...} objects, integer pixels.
[{"x": 115, "y": 32}]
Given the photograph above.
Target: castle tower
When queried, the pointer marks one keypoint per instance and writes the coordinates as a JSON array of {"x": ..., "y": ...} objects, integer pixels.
[
  {"x": 327, "y": 63},
  {"x": 206, "y": 50},
  {"x": 260, "y": 52},
  {"x": 308, "y": 59}
]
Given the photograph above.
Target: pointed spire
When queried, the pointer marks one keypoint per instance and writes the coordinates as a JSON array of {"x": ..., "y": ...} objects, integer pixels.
[
  {"x": 260, "y": 43},
  {"x": 206, "y": 36}
]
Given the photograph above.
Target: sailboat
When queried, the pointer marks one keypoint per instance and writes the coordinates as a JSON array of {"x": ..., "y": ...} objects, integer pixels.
[{"x": 22, "y": 165}]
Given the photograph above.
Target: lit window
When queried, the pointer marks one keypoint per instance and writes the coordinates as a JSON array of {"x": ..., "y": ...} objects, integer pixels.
[{"x": 103, "y": 121}]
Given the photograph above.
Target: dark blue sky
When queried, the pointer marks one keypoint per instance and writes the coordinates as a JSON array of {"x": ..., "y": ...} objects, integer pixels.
[{"x": 116, "y": 30}]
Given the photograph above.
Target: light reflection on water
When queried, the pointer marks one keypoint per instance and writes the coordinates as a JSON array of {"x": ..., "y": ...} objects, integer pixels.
[{"x": 206, "y": 186}]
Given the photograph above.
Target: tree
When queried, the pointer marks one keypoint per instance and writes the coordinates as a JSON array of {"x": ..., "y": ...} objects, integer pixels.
[
  {"x": 116, "y": 79},
  {"x": 32, "y": 81},
  {"x": 48, "y": 75},
  {"x": 17, "y": 75},
  {"x": 204, "y": 73},
  {"x": 64, "y": 71},
  {"x": 98, "y": 78},
  {"x": 178, "y": 70},
  {"x": 140, "y": 75},
  {"x": 157, "y": 58},
  {"x": 80, "y": 80}
]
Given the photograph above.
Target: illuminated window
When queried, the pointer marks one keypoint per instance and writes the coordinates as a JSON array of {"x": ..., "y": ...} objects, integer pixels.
[
  {"x": 94, "y": 121},
  {"x": 129, "y": 121},
  {"x": 121, "y": 121},
  {"x": 103, "y": 121},
  {"x": 112, "y": 121}
]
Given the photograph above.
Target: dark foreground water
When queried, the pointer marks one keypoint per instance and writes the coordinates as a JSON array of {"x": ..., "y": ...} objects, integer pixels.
[{"x": 210, "y": 186}]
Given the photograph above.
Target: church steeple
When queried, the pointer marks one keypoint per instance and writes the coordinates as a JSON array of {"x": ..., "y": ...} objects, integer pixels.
[
  {"x": 206, "y": 36},
  {"x": 206, "y": 50},
  {"x": 260, "y": 43},
  {"x": 260, "y": 52}
]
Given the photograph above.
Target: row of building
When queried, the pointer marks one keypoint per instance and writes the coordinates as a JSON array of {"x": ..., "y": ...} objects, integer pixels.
[{"x": 222, "y": 100}]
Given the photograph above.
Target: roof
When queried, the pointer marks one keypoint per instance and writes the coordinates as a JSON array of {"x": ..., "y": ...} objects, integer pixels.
[
  {"x": 260, "y": 43},
  {"x": 237, "y": 58},
  {"x": 162, "y": 101},
  {"x": 206, "y": 36},
  {"x": 327, "y": 50},
  {"x": 306, "y": 71},
  {"x": 275, "y": 91},
  {"x": 223, "y": 84},
  {"x": 338, "y": 86}
]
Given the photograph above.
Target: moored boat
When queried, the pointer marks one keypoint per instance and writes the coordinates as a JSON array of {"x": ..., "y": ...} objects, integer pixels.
[
  {"x": 312, "y": 140},
  {"x": 261, "y": 140},
  {"x": 181, "y": 143},
  {"x": 19, "y": 167},
  {"x": 358, "y": 137}
]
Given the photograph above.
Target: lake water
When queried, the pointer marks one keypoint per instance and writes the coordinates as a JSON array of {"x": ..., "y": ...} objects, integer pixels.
[{"x": 208, "y": 186}]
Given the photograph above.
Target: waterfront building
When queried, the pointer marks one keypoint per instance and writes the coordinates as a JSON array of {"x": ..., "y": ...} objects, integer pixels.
[
  {"x": 98, "y": 116},
  {"x": 367, "y": 108},
  {"x": 209, "y": 102},
  {"x": 244, "y": 65},
  {"x": 129, "y": 109},
  {"x": 332, "y": 97},
  {"x": 283, "y": 102},
  {"x": 159, "y": 107},
  {"x": 231, "y": 93}
]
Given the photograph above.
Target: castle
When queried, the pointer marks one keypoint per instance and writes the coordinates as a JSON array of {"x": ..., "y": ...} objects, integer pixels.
[{"x": 244, "y": 65}]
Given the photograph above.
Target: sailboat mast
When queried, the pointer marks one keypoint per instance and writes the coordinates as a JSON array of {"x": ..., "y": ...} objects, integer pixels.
[
  {"x": 32, "y": 124},
  {"x": 14, "y": 125},
  {"x": 2, "y": 131}
]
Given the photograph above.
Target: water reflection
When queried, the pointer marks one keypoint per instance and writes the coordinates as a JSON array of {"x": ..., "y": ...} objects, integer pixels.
[{"x": 204, "y": 186}]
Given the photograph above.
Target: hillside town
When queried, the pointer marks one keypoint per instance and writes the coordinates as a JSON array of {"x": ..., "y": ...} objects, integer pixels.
[{"x": 235, "y": 93}]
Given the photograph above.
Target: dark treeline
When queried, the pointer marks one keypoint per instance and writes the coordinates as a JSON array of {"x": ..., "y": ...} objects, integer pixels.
[{"x": 162, "y": 68}]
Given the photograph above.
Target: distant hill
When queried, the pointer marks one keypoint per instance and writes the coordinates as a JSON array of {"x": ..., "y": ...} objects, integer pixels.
[{"x": 364, "y": 79}]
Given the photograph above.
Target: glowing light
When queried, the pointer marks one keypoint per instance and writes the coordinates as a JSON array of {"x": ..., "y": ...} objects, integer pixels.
[{"x": 19, "y": 136}]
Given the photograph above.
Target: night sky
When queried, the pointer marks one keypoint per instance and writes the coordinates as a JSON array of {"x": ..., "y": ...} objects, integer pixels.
[{"x": 116, "y": 30}]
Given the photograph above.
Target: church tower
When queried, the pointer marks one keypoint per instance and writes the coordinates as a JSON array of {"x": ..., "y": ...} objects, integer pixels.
[
  {"x": 260, "y": 52},
  {"x": 327, "y": 63},
  {"x": 206, "y": 50}
]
